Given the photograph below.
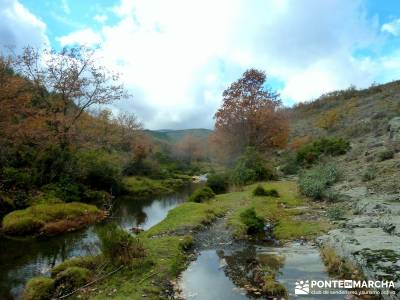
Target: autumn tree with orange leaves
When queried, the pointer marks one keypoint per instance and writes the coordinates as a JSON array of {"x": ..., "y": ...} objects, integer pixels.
[{"x": 250, "y": 115}]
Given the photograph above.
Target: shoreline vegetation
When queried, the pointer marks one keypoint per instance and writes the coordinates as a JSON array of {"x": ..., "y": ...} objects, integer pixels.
[
  {"x": 168, "y": 244},
  {"x": 48, "y": 218}
]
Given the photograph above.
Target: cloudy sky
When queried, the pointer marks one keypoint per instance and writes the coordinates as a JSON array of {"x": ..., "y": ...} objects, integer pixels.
[{"x": 177, "y": 56}]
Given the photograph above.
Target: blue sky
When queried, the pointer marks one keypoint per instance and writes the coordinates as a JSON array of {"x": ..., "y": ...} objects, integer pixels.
[{"x": 177, "y": 56}]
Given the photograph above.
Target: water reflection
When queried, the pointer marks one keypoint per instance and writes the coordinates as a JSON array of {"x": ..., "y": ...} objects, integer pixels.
[
  {"x": 22, "y": 260},
  {"x": 217, "y": 274}
]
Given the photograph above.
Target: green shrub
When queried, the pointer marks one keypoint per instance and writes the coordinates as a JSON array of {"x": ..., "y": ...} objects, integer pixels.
[
  {"x": 71, "y": 278},
  {"x": 101, "y": 171},
  {"x": 16, "y": 178},
  {"x": 369, "y": 174},
  {"x": 260, "y": 191},
  {"x": 254, "y": 224},
  {"x": 119, "y": 246},
  {"x": 333, "y": 146},
  {"x": 385, "y": 155},
  {"x": 336, "y": 212},
  {"x": 219, "y": 183},
  {"x": 289, "y": 164},
  {"x": 39, "y": 288},
  {"x": 53, "y": 164},
  {"x": 272, "y": 193},
  {"x": 315, "y": 181},
  {"x": 201, "y": 195},
  {"x": 251, "y": 167}
]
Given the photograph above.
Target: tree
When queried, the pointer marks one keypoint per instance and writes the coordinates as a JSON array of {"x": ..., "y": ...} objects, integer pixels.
[
  {"x": 249, "y": 116},
  {"x": 192, "y": 148},
  {"x": 66, "y": 84}
]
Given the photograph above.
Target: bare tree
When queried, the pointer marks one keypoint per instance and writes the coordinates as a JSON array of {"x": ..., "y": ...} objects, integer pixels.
[{"x": 67, "y": 83}]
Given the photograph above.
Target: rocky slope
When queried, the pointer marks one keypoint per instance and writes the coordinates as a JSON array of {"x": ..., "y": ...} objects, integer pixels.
[{"x": 369, "y": 192}]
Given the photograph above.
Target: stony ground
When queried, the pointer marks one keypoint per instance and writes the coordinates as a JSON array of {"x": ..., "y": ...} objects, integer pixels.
[{"x": 369, "y": 234}]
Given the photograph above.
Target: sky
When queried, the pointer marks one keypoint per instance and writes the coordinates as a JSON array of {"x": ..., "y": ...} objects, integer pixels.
[{"x": 177, "y": 56}]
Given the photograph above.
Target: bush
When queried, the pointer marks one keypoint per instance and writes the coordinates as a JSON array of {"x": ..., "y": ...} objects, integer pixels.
[
  {"x": 16, "y": 178},
  {"x": 219, "y": 183},
  {"x": 336, "y": 212},
  {"x": 260, "y": 191},
  {"x": 254, "y": 224},
  {"x": 385, "y": 155},
  {"x": 202, "y": 194},
  {"x": 369, "y": 174},
  {"x": 251, "y": 167},
  {"x": 315, "y": 181},
  {"x": 39, "y": 288},
  {"x": 101, "y": 171},
  {"x": 333, "y": 146},
  {"x": 71, "y": 278},
  {"x": 119, "y": 246},
  {"x": 289, "y": 163}
]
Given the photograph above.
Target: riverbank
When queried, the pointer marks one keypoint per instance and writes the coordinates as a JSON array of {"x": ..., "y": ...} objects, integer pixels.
[
  {"x": 169, "y": 244},
  {"x": 51, "y": 219}
]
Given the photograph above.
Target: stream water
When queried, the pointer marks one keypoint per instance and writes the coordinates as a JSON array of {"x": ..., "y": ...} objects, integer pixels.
[
  {"x": 21, "y": 260},
  {"x": 211, "y": 275}
]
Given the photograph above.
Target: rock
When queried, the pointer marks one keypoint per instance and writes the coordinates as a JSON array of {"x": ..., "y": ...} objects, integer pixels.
[
  {"x": 394, "y": 132},
  {"x": 136, "y": 230}
]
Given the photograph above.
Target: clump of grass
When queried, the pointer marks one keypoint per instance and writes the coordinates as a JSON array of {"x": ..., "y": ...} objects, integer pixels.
[
  {"x": 260, "y": 191},
  {"x": 70, "y": 279},
  {"x": 336, "y": 212},
  {"x": 315, "y": 181},
  {"x": 50, "y": 218},
  {"x": 369, "y": 174},
  {"x": 202, "y": 194},
  {"x": 336, "y": 265},
  {"x": 273, "y": 288},
  {"x": 119, "y": 246},
  {"x": 88, "y": 262},
  {"x": 385, "y": 155},
  {"x": 254, "y": 224},
  {"x": 39, "y": 288}
]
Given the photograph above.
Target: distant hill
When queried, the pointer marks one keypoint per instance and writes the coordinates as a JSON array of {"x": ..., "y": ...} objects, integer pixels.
[{"x": 175, "y": 136}]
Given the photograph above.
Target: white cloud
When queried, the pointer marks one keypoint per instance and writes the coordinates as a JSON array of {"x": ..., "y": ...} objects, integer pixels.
[
  {"x": 85, "y": 37},
  {"x": 177, "y": 56},
  {"x": 392, "y": 27},
  {"x": 19, "y": 27},
  {"x": 100, "y": 18}
]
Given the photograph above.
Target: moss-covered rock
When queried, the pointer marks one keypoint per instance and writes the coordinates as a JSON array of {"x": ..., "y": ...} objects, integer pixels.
[{"x": 39, "y": 288}]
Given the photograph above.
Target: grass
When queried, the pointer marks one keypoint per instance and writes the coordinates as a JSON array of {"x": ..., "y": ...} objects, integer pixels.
[
  {"x": 49, "y": 219},
  {"x": 283, "y": 212},
  {"x": 144, "y": 187}
]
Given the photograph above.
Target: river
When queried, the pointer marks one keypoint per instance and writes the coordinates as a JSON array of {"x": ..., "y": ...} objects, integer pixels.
[{"x": 21, "y": 260}]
